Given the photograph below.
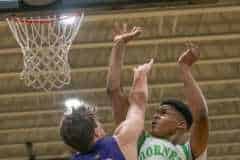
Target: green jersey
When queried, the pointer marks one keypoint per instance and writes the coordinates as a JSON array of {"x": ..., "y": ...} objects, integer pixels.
[{"x": 151, "y": 148}]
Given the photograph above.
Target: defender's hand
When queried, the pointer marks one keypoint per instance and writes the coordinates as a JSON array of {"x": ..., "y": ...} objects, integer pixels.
[{"x": 139, "y": 91}]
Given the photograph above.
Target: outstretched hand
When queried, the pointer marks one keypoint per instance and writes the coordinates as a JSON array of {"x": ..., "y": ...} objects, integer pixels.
[
  {"x": 139, "y": 91},
  {"x": 141, "y": 71},
  {"x": 190, "y": 56},
  {"x": 122, "y": 32}
]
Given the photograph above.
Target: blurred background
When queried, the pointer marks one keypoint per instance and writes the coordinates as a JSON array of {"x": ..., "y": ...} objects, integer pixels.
[{"x": 29, "y": 118}]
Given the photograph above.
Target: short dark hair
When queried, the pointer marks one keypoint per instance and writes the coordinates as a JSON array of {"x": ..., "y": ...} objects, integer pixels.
[
  {"x": 182, "y": 108},
  {"x": 77, "y": 127}
]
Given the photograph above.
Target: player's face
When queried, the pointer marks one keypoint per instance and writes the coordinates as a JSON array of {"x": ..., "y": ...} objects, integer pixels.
[{"x": 165, "y": 122}]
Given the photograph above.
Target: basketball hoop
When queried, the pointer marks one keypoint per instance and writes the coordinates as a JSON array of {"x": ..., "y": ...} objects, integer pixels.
[{"x": 45, "y": 43}]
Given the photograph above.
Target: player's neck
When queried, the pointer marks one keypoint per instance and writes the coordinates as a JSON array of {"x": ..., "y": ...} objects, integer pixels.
[
  {"x": 173, "y": 139},
  {"x": 96, "y": 138}
]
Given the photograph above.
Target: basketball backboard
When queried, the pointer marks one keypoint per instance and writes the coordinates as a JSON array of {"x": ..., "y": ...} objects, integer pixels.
[{"x": 33, "y": 5}]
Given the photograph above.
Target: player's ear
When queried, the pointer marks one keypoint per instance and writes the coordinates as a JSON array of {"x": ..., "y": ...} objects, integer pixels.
[{"x": 182, "y": 124}]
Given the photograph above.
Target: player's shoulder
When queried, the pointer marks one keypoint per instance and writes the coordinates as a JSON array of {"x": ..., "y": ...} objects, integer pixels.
[{"x": 185, "y": 150}]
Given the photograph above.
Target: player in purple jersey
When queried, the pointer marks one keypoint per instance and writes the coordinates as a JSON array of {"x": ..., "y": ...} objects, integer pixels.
[{"x": 81, "y": 130}]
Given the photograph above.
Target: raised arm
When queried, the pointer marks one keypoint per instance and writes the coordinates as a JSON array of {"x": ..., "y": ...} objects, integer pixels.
[
  {"x": 128, "y": 132},
  {"x": 196, "y": 101},
  {"x": 119, "y": 100}
]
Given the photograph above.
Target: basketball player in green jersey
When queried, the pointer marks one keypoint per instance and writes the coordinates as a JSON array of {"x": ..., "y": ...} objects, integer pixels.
[{"x": 173, "y": 119}]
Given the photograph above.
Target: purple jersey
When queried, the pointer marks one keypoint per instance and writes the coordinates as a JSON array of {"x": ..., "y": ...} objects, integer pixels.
[{"x": 104, "y": 149}]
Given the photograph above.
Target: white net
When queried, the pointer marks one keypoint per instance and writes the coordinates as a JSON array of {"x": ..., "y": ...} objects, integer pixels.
[{"x": 45, "y": 44}]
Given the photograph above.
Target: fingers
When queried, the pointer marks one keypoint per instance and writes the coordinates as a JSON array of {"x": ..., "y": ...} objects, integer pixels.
[
  {"x": 151, "y": 62},
  {"x": 122, "y": 32},
  {"x": 134, "y": 29},
  {"x": 191, "y": 55},
  {"x": 137, "y": 29},
  {"x": 193, "y": 48},
  {"x": 145, "y": 68},
  {"x": 149, "y": 65},
  {"x": 121, "y": 29},
  {"x": 191, "y": 45},
  {"x": 187, "y": 45}
]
